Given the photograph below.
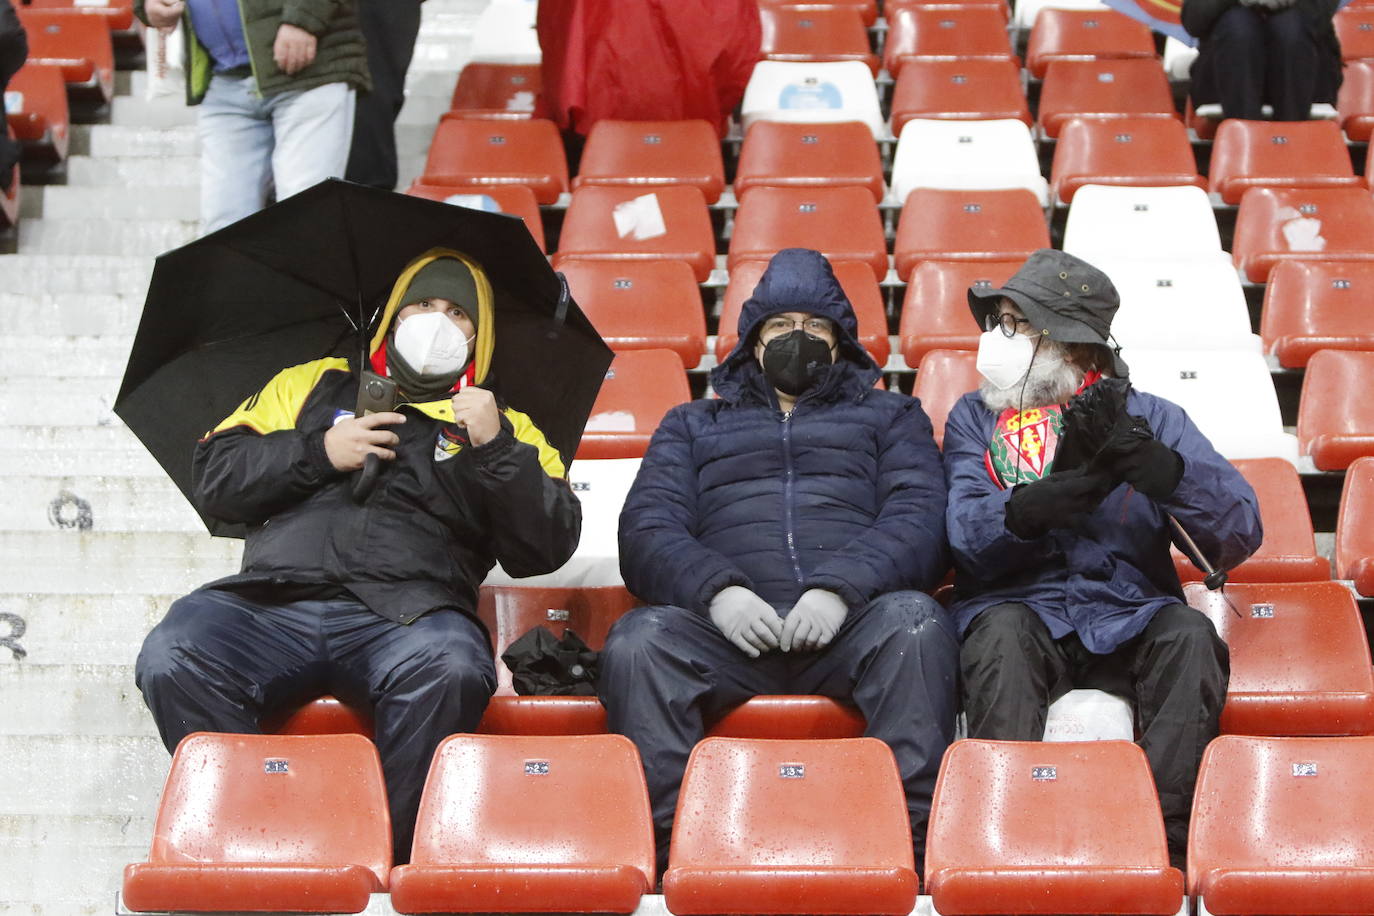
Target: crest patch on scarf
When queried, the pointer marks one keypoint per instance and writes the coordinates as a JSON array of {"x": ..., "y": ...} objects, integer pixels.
[{"x": 1023, "y": 444}]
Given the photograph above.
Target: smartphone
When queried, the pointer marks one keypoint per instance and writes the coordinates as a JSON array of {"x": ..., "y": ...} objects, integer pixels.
[{"x": 376, "y": 394}]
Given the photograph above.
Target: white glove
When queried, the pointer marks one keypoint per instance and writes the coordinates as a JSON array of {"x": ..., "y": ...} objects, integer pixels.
[
  {"x": 746, "y": 620},
  {"x": 813, "y": 621}
]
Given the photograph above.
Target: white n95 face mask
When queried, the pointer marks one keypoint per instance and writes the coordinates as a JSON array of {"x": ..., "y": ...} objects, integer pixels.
[
  {"x": 432, "y": 344},
  {"x": 1004, "y": 360}
]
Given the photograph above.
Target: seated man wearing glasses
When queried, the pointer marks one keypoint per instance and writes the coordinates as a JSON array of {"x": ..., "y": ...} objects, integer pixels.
[
  {"x": 1063, "y": 574},
  {"x": 784, "y": 535}
]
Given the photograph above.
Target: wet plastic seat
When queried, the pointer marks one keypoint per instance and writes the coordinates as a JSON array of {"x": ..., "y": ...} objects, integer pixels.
[
  {"x": 1335, "y": 414},
  {"x": 1281, "y": 825},
  {"x": 36, "y": 104},
  {"x": 1355, "y": 32},
  {"x": 638, "y": 305},
  {"x": 1033, "y": 827},
  {"x": 856, "y": 279},
  {"x": 967, "y": 155},
  {"x": 777, "y": 154},
  {"x": 1060, "y": 34},
  {"x": 1308, "y": 224},
  {"x": 935, "y": 312},
  {"x": 1150, "y": 152},
  {"x": 468, "y": 151},
  {"x": 1183, "y": 303},
  {"x": 1028, "y": 11},
  {"x": 1355, "y": 101},
  {"x": 649, "y": 154},
  {"x": 812, "y": 93},
  {"x": 640, "y": 387},
  {"x": 947, "y": 31},
  {"x": 964, "y": 89},
  {"x": 117, "y": 14},
  {"x": 945, "y": 376},
  {"x": 324, "y": 715},
  {"x": 867, "y": 9},
  {"x": 515, "y": 199},
  {"x": 1313, "y": 305},
  {"x": 1300, "y": 664},
  {"x": 1355, "y": 527},
  {"x": 1136, "y": 222},
  {"x": 987, "y": 225},
  {"x": 756, "y": 830},
  {"x": 639, "y": 224},
  {"x": 1278, "y": 154},
  {"x": 1103, "y": 89},
  {"x": 790, "y": 717},
  {"x": 494, "y": 90},
  {"x": 1289, "y": 551},
  {"x": 80, "y": 45},
  {"x": 815, "y": 33},
  {"x": 530, "y": 825},
  {"x": 267, "y": 822},
  {"x": 841, "y": 223}
]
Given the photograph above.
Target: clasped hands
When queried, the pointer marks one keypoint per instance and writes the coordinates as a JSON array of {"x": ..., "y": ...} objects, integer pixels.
[
  {"x": 751, "y": 624},
  {"x": 349, "y": 442}
]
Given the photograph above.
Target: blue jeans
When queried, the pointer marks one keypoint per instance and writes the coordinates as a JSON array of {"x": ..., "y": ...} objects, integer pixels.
[{"x": 251, "y": 146}]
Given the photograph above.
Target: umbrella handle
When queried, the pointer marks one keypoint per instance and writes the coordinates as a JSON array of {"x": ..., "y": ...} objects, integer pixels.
[{"x": 366, "y": 479}]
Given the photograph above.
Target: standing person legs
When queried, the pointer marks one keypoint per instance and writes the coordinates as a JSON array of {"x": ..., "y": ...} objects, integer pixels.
[
  {"x": 1239, "y": 50},
  {"x": 311, "y": 131},
  {"x": 390, "y": 27},
  {"x": 235, "y": 152},
  {"x": 1011, "y": 666},
  {"x": 1292, "y": 65}
]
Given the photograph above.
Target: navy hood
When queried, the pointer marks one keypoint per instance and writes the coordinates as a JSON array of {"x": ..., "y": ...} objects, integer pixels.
[{"x": 797, "y": 280}]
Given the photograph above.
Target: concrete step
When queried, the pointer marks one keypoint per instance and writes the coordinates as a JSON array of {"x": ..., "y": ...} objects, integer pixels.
[
  {"x": 72, "y": 314},
  {"x": 163, "y": 201},
  {"x": 66, "y": 629},
  {"x": 84, "y": 775},
  {"x": 52, "y": 701},
  {"x": 101, "y": 140},
  {"x": 70, "y": 865},
  {"x": 74, "y": 450},
  {"x": 61, "y": 503},
  {"x": 43, "y": 356},
  {"x": 64, "y": 274},
  {"x": 60, "y": 401},
  {"x": 133, "y": 171},
  {"x": 118, "y": 563},
  {"x": 138, "y": 111},
  {"x": 146, "y": 238}
]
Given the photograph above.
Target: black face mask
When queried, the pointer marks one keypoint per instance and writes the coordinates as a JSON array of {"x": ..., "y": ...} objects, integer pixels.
[{"x": 795, "y": 362}]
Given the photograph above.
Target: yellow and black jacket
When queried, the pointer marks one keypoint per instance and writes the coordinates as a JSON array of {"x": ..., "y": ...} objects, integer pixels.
[{"x": 441, "y": 515}]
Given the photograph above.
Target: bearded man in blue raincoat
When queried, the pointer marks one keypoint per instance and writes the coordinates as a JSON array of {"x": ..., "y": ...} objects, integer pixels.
[
  {"x": 1063, "y": 576},
  {"x": 783, "y": 534}
]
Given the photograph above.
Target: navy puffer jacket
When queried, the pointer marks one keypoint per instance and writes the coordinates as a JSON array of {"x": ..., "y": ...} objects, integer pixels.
[{"x": 846, "y": 493}]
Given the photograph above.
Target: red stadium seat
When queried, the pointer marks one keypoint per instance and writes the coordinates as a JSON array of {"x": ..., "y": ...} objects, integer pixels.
[
  {"x": 945, "y": 225},
  {"x": 36, "y": 100},
  {"x": 1085, "y": 35},
  {"x": 790, "y": 717},
  {"x": 118, "y": 14},
  {"x": 1062, "y": 827},
  {"x": 816, "y": 33},
  {"x": 946, "y": 31},
  {"x": 515, "y": 199},
  {"x": 482, "y": 152},
  {"x": 945, "y": 376},
  {"x": 935, "y": 312},
  {"x": 1335, "y": 415},
  {"x": 855, "y": 279},
  {"x": 841, "y": 223},
  {"x": 530, "y": 825},
  {"x": 1289, "y": 551},
  {"x": 495, "y": 90},
  {"x": 639, "y": 224},
  {"x": 974, "y": 89},
  {"x": 80, "y": 45},
  {"x": 1142, "y": 152},
  {"x": 791, "y": 854},
  {"x": 267, "y": 822},
  {"x": 1299, "y": 661},
  {"x": 649, "y": 154},
  {"x": 1132, "y": 88},
  {"x": 1317, "y": 305},
  {"x": 778, "y": 154},
  {"x": 1355, "y": 101},
  {"x": 1355, "y": 528},
  {"x": 640, "y": 387},
  {"x": 867, "y": 9},
  {"x": 638, "y": 305},
  {"x": 1309, "y": 224},
  {"x": 1278, "y": 154},
  {"x": 1281, "y": 825},
  {"x": 1355, "y": 31},
  {"x": 324, "y": 715}
]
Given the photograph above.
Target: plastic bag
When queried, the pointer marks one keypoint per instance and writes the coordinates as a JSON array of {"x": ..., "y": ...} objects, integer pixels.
[{"x": 166, "y": 52}]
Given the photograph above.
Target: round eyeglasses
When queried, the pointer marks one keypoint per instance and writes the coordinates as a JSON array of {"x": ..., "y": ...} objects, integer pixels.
[
  {"x": 781, "y": 324},
  {"x": 1008, "y": 322}
]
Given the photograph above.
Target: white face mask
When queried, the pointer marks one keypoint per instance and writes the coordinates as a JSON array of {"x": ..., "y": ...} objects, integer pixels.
[
  {"x": 432, "y": 344},
  {"x": 1004, "y": 360}
]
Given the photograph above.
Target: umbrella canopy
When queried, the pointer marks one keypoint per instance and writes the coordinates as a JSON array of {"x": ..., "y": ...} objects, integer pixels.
[{"x": 305, "y": 278}]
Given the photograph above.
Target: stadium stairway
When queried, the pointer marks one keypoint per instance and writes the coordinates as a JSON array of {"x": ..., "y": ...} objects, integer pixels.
[{"x": 95, "y": 541}]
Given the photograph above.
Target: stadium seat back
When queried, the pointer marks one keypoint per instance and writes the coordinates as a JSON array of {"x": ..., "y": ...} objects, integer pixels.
[
  {"x": 1308, "y": 224},
  {"x": 639, "y": 224},
  {"x": 935, "y": 312},
  {"x": 637, "y": 305},
  {"x": 1355, "y": 99},
  {"x": 816, "y": 33},
  {"x": 970, "y": 88},
  {"x": 468, "y": 151},
  {"x": 1187, "y": 303},
  {"x": 1335, "y": 415},
  {"x": 1151, "y": 152},
  {"x": 515, "y": 199},
  {"x": 487, "y": 89},
  {"x": 967, "y": 155},
  {"x": 867, "y": 9},
  {"x": 1027, "y": 12},
  {"x": 945, "y": 376},
  {"x": 640, "y": 387},
  {"x": 36, "y": 103},
  {"x": 790, "y": 716},
  {"x": 1134, "y": 87},
  {"x": 948, "y": 31},
  {"x": 118, "y": 15},
  {"x": 1355, "y": 527},
  {"x": 841, "y": 223},
  {"x": 989, "y": 225},
  {"x": 324, "y": 715},
  {"x": 1316, "y": 305},
  {"x": 648, "y": 154},
  {"x": 812, "y": 93},
  {"x": 1141, "y": 222},
  {"x": 777, "y": 154},
  {"x": 1060, "y": 34},
  {"x": 1278, "y": 154},
  {"x": 80, "y": 45},
  {"x": 1355, "y": 31}
]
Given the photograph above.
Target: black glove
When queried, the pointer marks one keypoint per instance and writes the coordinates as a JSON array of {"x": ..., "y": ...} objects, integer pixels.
[
  {"x": 1148, "y": 465},
  {"x": 1056, "y": 501}
]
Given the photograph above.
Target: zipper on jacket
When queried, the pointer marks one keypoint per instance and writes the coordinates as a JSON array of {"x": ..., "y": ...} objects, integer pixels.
[
  {"x": 252, "y": 64},
  {"x": 789, "y": 492}
]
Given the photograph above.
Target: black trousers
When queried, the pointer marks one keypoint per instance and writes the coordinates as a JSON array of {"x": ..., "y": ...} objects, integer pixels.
[
  {"x": 1255, "y": 56},
  {"x": 14, "y": 50},
  {"x": 667, "y": 673},
  {"x": 390, "y": 27},
  {"x": 1176, "y": 671},
  {"x": 218, "y": 662}
]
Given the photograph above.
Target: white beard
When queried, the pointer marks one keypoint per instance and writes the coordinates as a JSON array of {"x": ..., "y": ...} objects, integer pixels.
[{"x": 1051, "y": 379}]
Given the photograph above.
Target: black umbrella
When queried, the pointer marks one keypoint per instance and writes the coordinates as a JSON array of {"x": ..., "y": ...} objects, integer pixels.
[{"x": 305, "y": 278}]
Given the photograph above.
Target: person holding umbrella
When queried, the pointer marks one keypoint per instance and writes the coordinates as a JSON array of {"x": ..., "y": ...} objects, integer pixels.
[
  {"x": 370, "y": 596},
  {"x": 1061, "y": 545}
]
